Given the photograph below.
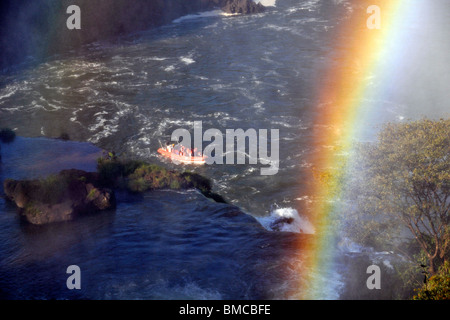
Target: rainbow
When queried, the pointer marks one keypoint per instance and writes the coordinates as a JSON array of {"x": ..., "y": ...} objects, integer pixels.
[{"x": 344, "y": 112}]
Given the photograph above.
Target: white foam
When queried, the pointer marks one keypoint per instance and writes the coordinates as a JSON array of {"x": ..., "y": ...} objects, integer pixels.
[
  {"x": 388, "y": 264},
  {"x": 8, "y": 92},
  {"x": 154, "y": 59},
  {"x": 304, "y": 198},
  {"x": 187, "y": 60},
  {"x": 310, "y": 5},
  {"x": 267, "y": 3},
  {"x": 347, "y": 245},
  {"x": 206, "y": 14},
  {"x": 104, "y": 127},
  {"x": 298, "y": 225},
  {"x": 169, "y": 68}
]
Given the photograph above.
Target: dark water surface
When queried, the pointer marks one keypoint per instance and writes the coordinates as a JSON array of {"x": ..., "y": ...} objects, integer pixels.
[{"x": 160, "y": 245}]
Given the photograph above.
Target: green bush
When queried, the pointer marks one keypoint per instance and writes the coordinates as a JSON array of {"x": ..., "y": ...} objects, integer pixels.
[
  {"x": 437, "y": 287},
  {"x": 139, "y": 176},
  {"x": 175, "y": 185},
  {"x": 151, "y": 176},
  {"x": 137, "y": 185},
  {"x": 52, "y": 189},
  {"x": 112, "y": 170}
]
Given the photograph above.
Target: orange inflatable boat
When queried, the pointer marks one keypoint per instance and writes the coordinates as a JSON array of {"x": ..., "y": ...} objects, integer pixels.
[{"x": 181, "y": 158}]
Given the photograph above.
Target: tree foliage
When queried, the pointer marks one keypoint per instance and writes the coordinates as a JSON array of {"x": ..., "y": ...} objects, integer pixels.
[
  {"x": 436, "y": 287},
  {"x": 399, "y": 189}
]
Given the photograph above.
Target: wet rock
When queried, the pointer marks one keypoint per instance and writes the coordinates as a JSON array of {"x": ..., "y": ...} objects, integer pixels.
[
  {"x": 7, "y": 135},
  {"x": 61, "y": 197},
  {"x": 278, "y": 224},
  {"x": 243, "y": 7}
]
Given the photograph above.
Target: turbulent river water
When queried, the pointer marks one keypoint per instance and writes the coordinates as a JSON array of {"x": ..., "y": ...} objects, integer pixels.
[{"x": 258, "y": 71}]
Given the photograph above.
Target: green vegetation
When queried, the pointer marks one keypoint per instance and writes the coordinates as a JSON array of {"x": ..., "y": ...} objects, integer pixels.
[
  {"x": 113, "y": 172},
  {"x": 138, "y": 176},
  {"x": 436, "y": 287},
  {"x": 52, "y": 189},
  {"x": 150, "y": 176},
  {"x": 399, "y": 192},
  {"x": 92, "y": 194}
]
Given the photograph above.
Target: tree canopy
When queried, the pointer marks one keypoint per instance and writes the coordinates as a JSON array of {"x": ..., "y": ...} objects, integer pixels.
[{"x": 399, "y": 189}]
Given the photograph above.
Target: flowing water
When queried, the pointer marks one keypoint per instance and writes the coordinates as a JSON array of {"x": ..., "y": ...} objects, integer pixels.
[{"x": 259, "y": 71}]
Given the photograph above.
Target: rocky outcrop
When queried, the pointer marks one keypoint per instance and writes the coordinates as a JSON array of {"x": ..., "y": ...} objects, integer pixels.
[
  {"x": 7, "y": 135},
  {"x": 278, "y": 224},
  {"x": 74, "y": 193},
  {"x": 138, "y": 176},
  {"x": 62, "y": 197},
  {"x": 242, "y": 7}
]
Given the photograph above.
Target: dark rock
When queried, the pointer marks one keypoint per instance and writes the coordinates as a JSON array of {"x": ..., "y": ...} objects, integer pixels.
[
  {"x": 61, "y": 197},
  {"x": 232, "y": 214},
  {"x": 101, "y": 198},
  {"x": 19, "y": 191},
  {"x": 278, "y": 224},
  {"x": 7, "y": 135},
  {"x": 73, "y": 193},
  {"x": 214, "y": 196},
  {"x": 64, "y": 136},
  {"x": 243, "y": 7}
]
